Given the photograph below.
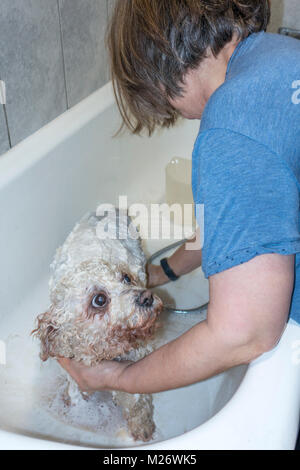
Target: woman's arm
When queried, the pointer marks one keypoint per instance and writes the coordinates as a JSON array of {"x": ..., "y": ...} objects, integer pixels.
[
  {"x": 184, "y": 260},
  {"x": 247, "y": 314}
]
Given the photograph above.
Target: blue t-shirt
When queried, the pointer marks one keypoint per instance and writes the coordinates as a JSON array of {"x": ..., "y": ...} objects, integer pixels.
[{"x": 246, "y": 159}]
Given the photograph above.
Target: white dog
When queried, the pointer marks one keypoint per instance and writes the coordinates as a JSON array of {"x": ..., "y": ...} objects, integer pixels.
[{"x": 101, "y": 309}]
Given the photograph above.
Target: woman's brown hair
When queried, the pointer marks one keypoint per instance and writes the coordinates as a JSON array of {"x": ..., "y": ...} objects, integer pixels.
[{"x": 153, "y": 43}]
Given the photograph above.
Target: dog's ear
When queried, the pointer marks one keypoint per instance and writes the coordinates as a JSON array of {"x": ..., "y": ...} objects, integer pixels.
[{"x": 47, "y": 332}]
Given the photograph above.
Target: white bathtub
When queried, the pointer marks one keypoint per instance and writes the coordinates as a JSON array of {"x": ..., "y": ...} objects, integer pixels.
[{"x": 47, "y": 183}]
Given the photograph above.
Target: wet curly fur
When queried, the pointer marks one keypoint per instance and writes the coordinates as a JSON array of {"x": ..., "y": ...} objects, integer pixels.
[{"x": 101, "y": 309}]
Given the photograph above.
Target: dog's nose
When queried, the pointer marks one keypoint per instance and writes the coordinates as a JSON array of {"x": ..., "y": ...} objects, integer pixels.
[{"x": 145, "y": 299}]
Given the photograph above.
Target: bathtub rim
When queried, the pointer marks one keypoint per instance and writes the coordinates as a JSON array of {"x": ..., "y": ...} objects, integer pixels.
[{"x": 29, "y": 151}]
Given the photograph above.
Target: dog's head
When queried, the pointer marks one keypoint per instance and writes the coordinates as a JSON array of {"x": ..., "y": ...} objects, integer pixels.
[{"x": 98, "y": 311}]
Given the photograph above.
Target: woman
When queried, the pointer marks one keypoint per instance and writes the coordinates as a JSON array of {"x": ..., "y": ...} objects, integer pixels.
[{"x": 212, "y": 60}]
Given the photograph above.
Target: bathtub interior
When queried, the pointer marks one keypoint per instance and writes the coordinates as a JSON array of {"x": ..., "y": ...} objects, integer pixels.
[{"x": 38, "y": 209}]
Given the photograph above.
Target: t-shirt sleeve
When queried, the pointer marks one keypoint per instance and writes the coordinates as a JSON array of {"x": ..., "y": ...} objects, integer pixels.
[{"x": 250, "y": 197}]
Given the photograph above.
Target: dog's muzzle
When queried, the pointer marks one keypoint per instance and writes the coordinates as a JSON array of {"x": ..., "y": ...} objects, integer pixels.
[{"x": 148, "y": 307}]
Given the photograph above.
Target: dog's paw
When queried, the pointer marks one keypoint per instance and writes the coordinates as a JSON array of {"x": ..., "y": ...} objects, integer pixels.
[{"x": 138, "y": 413}]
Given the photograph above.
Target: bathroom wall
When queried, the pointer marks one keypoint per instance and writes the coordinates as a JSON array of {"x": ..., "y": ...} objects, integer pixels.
[
  {"x": 285, "y": 13},
  {"x": 53, "y": 55}
]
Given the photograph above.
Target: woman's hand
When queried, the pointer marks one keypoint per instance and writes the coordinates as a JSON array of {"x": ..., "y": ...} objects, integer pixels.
[
  {"x": 156, "y": 276},
  {"x": 104, "y": 376},
  {"x": 184, "y": 260}
]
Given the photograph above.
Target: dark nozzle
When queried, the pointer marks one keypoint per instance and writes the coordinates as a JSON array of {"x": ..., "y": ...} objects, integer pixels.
[{"x": 145, "y": 299}]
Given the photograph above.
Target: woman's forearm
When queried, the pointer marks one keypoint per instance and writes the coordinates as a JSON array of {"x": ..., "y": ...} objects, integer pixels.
[
  {"x": 196, "y": 355},
  {"x": 182, "y": 261},
  {"x": 185, "y": 260}
]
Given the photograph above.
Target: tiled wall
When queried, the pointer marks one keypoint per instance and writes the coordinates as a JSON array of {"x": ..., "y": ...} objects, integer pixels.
[{"x": 52, "y": 55}]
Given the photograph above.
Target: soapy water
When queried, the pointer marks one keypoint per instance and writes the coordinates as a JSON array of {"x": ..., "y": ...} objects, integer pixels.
[{"x": 33, "y": 401}]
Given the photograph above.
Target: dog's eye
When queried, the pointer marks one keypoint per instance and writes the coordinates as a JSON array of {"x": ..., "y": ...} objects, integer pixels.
[
  {"x": 99, "y": 300},
  {"x": 126, "y": 279}
]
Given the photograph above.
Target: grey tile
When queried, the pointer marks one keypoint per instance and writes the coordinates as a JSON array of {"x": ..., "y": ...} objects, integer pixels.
[
  {"x": 31, "y": 64},
  {"x": 4, "y": 144},
  {"x": 83, "y": 26},
  {"x": 291, "y": 14},
  {"x": 277, "y": 12}
]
